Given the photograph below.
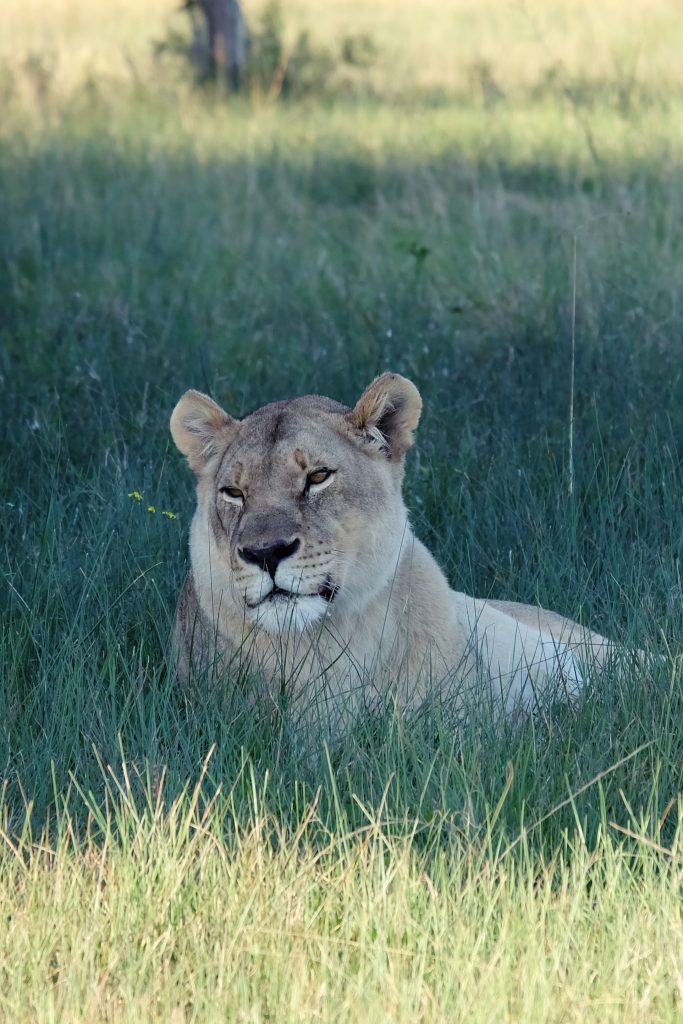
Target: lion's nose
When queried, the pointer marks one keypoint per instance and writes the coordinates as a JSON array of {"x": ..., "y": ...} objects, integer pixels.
[{"x": 270, "y": 557}]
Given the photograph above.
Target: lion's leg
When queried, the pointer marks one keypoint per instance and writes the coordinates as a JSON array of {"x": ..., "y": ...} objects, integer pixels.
[
  {"x": 591, "y": 648},
  {"x": 522, "y": 663}
]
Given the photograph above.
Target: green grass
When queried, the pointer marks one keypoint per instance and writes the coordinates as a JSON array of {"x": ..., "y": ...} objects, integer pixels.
[{"x": 167, "y": 855}]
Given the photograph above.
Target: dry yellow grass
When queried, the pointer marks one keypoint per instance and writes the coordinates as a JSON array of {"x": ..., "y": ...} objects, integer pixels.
[{"x": 423, "y": 43}]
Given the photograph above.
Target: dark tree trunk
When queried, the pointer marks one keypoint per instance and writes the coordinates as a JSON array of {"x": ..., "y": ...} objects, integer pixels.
[{"x": 227, "y": 39}]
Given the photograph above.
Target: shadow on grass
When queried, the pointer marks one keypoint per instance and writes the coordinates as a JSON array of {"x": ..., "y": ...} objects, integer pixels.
[{"x": 125, "y": 280}]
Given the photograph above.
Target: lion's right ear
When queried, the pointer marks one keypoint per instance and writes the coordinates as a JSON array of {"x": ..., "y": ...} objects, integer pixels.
[{"x": 201, "y": 429}]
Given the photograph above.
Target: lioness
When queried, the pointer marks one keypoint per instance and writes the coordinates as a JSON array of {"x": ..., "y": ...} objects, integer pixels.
[{"x": 304, "y": 564}]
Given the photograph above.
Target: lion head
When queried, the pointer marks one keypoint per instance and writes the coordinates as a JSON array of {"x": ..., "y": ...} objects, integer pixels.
[{"x": 299, "y": 507}]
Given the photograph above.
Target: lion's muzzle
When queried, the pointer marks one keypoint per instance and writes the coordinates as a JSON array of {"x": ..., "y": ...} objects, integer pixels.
[{"x": 285, "y": 592}]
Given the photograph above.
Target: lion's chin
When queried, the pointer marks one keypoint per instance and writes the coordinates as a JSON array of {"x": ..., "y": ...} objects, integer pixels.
[{"x": 281, "y": 614}]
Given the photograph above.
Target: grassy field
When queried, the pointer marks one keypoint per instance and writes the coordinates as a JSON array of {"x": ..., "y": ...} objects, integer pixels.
[{"x": 166, "y": 855}]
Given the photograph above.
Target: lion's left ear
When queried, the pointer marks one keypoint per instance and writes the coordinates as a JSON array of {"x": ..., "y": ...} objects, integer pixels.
[{"x": 388, "y": 412}]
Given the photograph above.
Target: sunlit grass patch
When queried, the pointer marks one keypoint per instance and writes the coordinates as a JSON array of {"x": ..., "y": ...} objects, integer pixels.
[{"x": 191, "y": 911}]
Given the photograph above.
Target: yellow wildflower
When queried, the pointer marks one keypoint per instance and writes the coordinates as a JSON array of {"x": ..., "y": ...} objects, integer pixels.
[{"x": 137, "y": 495}]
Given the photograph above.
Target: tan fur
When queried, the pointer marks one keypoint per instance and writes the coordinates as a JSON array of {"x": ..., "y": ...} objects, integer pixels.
[{"x": 392, "y": 623}]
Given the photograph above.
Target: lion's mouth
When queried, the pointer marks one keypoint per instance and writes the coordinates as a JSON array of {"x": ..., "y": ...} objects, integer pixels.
[{"x": 327, "y": 590}]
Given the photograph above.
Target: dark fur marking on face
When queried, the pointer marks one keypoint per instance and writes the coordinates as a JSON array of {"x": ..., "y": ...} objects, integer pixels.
[
  {"x": 276, "y": 427},
  {"x": 216, "y": 524}
]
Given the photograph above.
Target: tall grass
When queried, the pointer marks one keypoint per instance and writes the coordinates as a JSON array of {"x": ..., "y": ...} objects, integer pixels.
[
  {"x": 196, "y": 912},
  {"x": 154, "y": 237}
]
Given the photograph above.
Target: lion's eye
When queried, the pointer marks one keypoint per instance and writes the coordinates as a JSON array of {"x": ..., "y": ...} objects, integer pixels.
[
  {"x": 232, "y": 494},
  {"x": 318, "y": 477}
]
